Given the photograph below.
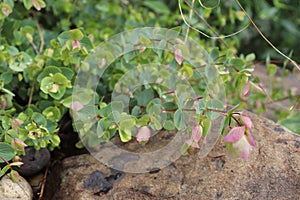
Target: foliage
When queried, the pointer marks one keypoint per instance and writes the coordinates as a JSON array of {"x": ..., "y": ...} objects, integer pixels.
[{"x": 45, "y": 44}]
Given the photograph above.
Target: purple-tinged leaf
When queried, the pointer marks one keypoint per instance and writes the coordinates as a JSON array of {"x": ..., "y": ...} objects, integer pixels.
[
  {"x": 193, "y": 143},
  {"x": 246, "y": 89},
  {"x": 235, "y": 134},
  {"x": 178, "y": 56},
  {"x": 76, "y": 106},
  {"x": 196, "y": 133},
  {"x": 76, "y": 44},
  {"x": 143, "y": 134},
  {"x": 247, "y": 121}
]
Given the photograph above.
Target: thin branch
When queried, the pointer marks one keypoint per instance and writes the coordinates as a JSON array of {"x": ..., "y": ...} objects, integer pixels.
[
  {"x": 205, "y": 22},
  {"x": 2, "y": 158},
  {"x": 40, "y": 35},
  {"x": 43, "y": 184},
  {"x": 265, "y": 38},
  {"x": 34, "y": 47},
  {"x": 31, "y": 93},
  {"x": 188, "y": 28}
]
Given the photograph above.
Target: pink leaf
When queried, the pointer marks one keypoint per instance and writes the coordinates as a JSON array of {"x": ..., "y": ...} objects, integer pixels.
[
  {"x": 243, "y": 148},
  {"x": 247, "y": 121},
  {"x": 76, "y": 44},
  {"x": 4, "y": 104},
  {"x": 246, "y": 89},
  {"x": 76, "y": 106},
  {"x": 16, "y": 123},
  {"x": 196, "y": 133},
  {"x": 36, "y": 4},
  {"x": 143, "y": 134},
  {"x": 193, "y": 143},
  {"x": 142, "y": 49},
  {"x": 5, "y": 12},
  {"x": 178, "y": 56},
  {"x": 251, "y": 140},
  {"x": 20, "y": 142},
  {"x": 102, "y": 63},
  {"x": 235, "y": 134}
]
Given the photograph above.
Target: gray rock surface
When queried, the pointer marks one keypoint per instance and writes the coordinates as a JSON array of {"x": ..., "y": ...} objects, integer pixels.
[
  {"x": 272, "y": 172},
  {"x": 17, "y": 189}
]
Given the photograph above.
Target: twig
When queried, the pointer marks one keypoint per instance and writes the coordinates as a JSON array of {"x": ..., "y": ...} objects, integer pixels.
[
  {"x": 2, "y": 158},
  {"x": 31, "y": 93},
  {"x": 40, "y": 34},
  {"x": 43, "y": 184},
  {"x": 265, "y": 38},
  {"x": 34, "y": 47},
  {"x": 207, "y": 24},
  {"x": 188, "y": 28}
]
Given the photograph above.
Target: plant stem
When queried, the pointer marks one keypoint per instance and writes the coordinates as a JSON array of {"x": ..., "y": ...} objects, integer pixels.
[
  {"x": 4, "y": 160},
  {"x": 40, "y": 34},
  {"x": 31, "y": 93},
  {"x": 188, "y": 28},
  {"x": 265, "y": 38}
]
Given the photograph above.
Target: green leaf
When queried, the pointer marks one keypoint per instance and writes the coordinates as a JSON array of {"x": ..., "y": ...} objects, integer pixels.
[
  {"x": 187, "y": 70},
  {"x": 271, "y": 69},
  {"x": 117, "y": 106},
  {"x": 125, "y": 135},
  {"x": 169, "y": 105},
  {"x": 6, "y": 77},
  {"x": 250, "y": 57},
  {"x": 156, "y": 124},
  {"x": 143, "y": 121},
  {"x": 67, "y": 72},
  {"x": 169, "y": 125},
  {"x": 12, "y": 51},
  {"x": 215, "y": 105},
  {"x": 47, "y": 71},
  {"x": 60, "y": 79},
  {"x": 154, "y": 108},
  {"x": 144, "y": 97},
  {"x": 74, "y": 34},
  {"x": 4, "y": 169},
  {"x": 238, "y": 63},
  {"x": 136, "y": 111},
  {"x": 158, "y": 6},
  {"x": 52, "y": 113},
  {"x": 27, "y": 4},
  {"x": 206, "y": 124},
  {"x": 200, "y": 107},
  {"x": 127, "y": 123},
  {"x": 6, "y": 152},
  {"x": 39, "y": 119},
  {"x": 292, "y": 122},
  {"x": 55, "y": 140},
  {"x": 179, "y": 119},
  {"x": 211, "y": 72}
]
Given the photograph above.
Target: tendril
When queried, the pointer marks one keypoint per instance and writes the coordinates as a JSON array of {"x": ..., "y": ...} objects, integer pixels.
[
  {"x": 201, "y": 32},
  {"x": 265, "y": 38},
  {"x": 200, "y": 2}
]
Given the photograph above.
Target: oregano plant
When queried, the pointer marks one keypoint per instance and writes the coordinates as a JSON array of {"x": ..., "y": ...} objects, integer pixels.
[{"x": 59, "y": 58}]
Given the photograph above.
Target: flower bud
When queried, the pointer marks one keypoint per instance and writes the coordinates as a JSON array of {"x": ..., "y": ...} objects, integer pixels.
[{"x": 143, "y": 134}]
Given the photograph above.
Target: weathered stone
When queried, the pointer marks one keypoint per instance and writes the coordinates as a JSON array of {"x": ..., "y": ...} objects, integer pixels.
[
  {"x": 16, "y": 189},
  {"x": 272, "y": 172},
  {"x": 33, "y": 161}
]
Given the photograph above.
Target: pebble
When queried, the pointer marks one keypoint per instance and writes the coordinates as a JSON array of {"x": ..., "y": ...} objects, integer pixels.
[{"x": 17, "y": 189}]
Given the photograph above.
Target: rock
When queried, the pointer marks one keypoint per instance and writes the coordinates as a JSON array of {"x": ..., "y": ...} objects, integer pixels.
[
  {"x": 34, "y": 161},
  {"x": 15, "y": 189},
  {"x": 272, "y": 172}
]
